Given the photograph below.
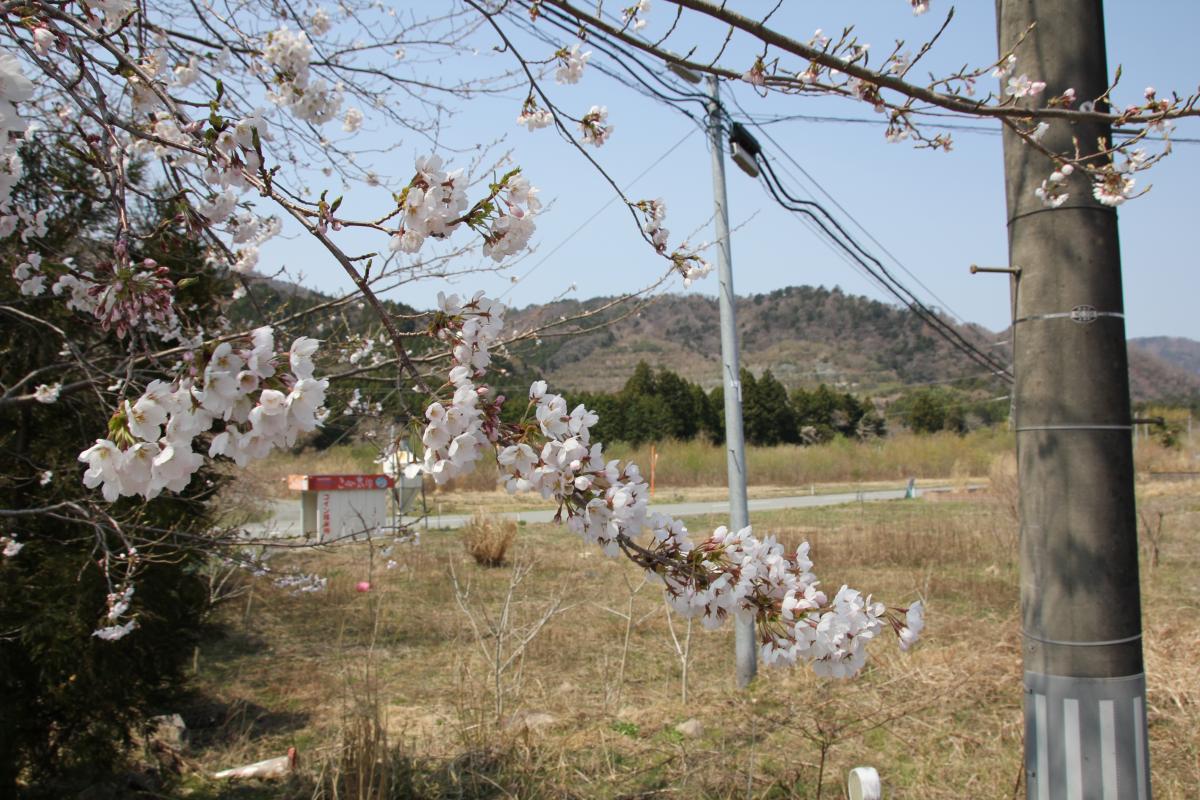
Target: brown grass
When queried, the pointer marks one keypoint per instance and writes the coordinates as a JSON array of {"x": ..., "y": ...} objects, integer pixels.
[
  {"x": 487, "y": 538},
  {"x": 591, "y": 704}
]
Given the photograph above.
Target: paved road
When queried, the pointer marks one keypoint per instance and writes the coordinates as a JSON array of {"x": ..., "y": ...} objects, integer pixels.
[{"x": 286, "y": 520}]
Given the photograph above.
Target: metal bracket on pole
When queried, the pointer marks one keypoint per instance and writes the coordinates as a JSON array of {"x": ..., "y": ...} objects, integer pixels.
[
  {"x": 1014, "y": 284},
  {"x": 976, "y": 269}
]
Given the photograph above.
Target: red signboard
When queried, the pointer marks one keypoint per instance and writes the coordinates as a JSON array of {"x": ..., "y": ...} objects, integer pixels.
[{"x": 333, "y": 483}]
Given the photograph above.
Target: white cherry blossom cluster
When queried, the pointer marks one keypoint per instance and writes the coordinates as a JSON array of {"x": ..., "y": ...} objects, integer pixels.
[
  {"x": 513, "y": 226},
  {"x": 432, "y": 205},
  {"x": 114, "y": 11},
  {"x": 731, "y": 574},
  {"x": 1112, "y": 188},
  {"x": 133, "y": 294},
  {"x": 365, "y": 353},
  {"x": 595, "y": 126},
  {"x": 571, "y": 64},
  {"x": 47, "y": 393},
  {"x": 78, "y": 287},
  {"x": 1113, "y": 184},
  {"x": 461, "y": 428},
  {"x": 34, "y": 223},
  {"x": 1052, "y": 191},
  {"x": 309, "y": 99},
  {"x": 1022, "y": 86},
  {"x": 536, "y": 118},
  {"x": 435, "y": 204},
  {"x": 151, "y": 440},
  {"x": 320, "y": 23},
  {"x": 636, "y": 14},
  {"x": 9, "y": 546},
  {"x": 655, "y": 212},
  {"x": 533, "y": 116},
  {"x": 118, "y": 604},
  {"x": 29, "y": 274},
  {"x": 358, "y": 405}
]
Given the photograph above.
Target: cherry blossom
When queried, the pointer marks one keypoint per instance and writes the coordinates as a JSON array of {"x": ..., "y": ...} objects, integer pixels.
[
  {"x": 1052, "y": 191},
  {"x": 47, "y": 393},
  {"x": 636, "y": 14},
  {"x": 152, "y": 440},
  {"x": 11, "y": 546},
  {"x": 606, "y": 503},
  {"x": 1113, "y": 188},
  {"x": 595, "y": 126},
  {"x": 571, "y": 64},
  {"x": 1022, "y": 86}
]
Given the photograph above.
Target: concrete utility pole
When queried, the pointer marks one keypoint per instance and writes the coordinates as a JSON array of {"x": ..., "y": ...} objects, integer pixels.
[
  {"x": 735, "y": 447},
  {"x": 1085, "y": 691}
]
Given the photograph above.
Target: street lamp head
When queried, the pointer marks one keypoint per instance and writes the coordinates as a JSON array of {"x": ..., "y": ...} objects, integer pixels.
[
  {"x": 744, "y": 148},
  {"x": 744, "y": 160}
]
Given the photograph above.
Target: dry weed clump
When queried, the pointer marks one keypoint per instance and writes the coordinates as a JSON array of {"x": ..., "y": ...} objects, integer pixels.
[{"x": 487, "y": 539}]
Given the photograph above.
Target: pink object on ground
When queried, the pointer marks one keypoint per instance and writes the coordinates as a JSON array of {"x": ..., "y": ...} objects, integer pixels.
[{"x": 363, "y": 586}]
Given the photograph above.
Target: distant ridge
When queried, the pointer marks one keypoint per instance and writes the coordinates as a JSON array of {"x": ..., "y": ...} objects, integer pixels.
[
  {"x": 806, "y": 335},
  {"x": 1175, "y": 350}
]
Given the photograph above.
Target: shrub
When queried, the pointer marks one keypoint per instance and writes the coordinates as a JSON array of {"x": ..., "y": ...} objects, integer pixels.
[{"x": 487, "y": 539}]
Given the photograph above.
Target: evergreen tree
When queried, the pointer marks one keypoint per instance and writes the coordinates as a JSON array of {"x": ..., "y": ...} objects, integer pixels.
[
  {"x": 710, "y": 417},
  {"x": 641, "y": 382},
  {"x": 926, "y": 412},
  {"x": 716, "y": 415},
  {"x": 72, "y": 700},
  {"x": 677, "y": 398}
]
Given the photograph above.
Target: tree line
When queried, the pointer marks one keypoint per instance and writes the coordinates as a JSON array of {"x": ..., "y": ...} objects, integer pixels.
[{"x": 653, "y": 406}]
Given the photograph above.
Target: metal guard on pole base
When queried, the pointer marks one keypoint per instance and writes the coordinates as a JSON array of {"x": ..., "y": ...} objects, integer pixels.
[{"x": 1100, "y": 752}]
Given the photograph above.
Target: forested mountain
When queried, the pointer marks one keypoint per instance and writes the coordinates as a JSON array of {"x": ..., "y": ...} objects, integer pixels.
[
  {"x": 806, "y": 335},
  {"x": 1175, "y": 350}
]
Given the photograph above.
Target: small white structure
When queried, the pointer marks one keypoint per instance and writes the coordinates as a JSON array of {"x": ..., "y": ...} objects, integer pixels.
[
  {"x": 408, "y": 488},
  {"x": 864, "y": 784},
  {"x": 340, "y": 506}
]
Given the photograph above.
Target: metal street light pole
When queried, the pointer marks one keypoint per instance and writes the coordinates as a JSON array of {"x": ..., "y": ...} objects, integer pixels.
[{"x": 735, "y": 448}]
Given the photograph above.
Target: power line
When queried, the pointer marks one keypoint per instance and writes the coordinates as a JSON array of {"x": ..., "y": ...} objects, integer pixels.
[
  {"x": 623, "y": 58},
  {"x": 852, "y": 219},
  {"x": 980, "y": 129},
  {"x": 597, "y": 213},
  {"x": 873, "y": 267},
  {"x": 850, "y": 249}
]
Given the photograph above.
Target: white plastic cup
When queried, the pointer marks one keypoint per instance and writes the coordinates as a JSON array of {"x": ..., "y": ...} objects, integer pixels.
[{"x": 863, "y": 784}]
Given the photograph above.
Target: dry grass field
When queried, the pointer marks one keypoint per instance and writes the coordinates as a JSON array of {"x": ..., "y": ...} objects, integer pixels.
[{"x": 560, "y": 675}]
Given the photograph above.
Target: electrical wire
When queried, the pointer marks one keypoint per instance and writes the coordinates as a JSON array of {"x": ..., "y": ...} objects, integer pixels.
[
  {"x": 817, "y": 217},
  {"x": 626, "y": 59},
  {"x": 944, "y": 305},
  {"x": 597, "y": 213},
  {"x": 835, "y": 233},
  {"x": 987, "y": 130}
]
